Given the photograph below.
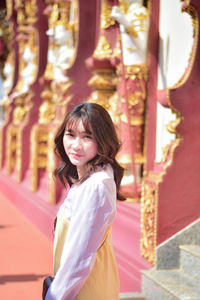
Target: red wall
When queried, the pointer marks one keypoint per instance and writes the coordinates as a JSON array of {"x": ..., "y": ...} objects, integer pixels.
[{"x": 179, "y": 191}]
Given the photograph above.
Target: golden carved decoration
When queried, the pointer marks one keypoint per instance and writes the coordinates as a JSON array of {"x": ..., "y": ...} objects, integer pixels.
[
  {"x": 10, "y": 147},
  {"x": 37, "y": 157},
  {"x": 168, "y": 156},
  {"x": 22, "y": 106},
  {"x": 13, "y": 151},
  {"x": 117, "y": 48},
  {"x": 166, "y": 151},
  {"x": 100, "y": 97},
  {"x": 135, "y": 121},
  {"x": 136, "y": 99},
  {"x": 114, "y": 110},
  {"x": 31, "y": 11},
  {"x": 7, "y": 108},
  {"x": 43, "y": 157},
  {"x": 47, "y": 108},
  {"x": 106, "y": 20},
  {"x": 14, "y": 135},
  {"x": 9, "y": 7},
  {"x": 51, "y": 167},
  {"x": 149, "y": 203},
  {"x": 19, "y": 114},
  {"x": 171, "y": 126},
  {"x": 135, "y": 71},
  {"x": 103, "y": 81},
  {"x": 103, "y": 49},
  {"x": 46, "y": 112},
  {"x": 54, "y": 15},
  {"x": 20, "y": 17},
  {"x": 103, "y": 84},
  {"x": 26, "y": 13},
  {"x": 131, "y": 30},
  {"x": 124, "y": 6}
]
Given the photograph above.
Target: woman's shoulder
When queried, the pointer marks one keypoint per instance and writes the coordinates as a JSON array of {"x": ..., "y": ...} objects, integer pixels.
[
  {"x": 101, "y": 175},
  {"x": 101, "y": 178},
  {"x": 97, "y": 190}
]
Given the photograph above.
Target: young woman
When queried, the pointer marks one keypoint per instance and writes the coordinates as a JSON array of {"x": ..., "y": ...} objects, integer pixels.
[{"x": 84, "y": 262}]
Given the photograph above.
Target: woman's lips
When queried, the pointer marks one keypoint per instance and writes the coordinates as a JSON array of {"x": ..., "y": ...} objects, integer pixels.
[{"x": 76, "y": 155}]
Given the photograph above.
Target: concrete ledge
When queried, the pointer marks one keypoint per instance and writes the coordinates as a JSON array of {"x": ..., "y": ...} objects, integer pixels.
[
  {"x": 170, "y": 284},
  {"x": 190, "y": 260},
  {"x": 168, "y": 253},
  {"x": 131, "y": 296}
]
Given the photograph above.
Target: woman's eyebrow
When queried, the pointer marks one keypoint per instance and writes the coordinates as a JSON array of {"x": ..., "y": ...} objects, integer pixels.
[
  {"x": 87, "y": 132},
  {"x": 68, "y": 129},
  {"x": 82, "y": 132}
]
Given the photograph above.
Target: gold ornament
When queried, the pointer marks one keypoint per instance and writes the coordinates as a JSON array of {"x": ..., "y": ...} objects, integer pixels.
[
  {"x": 103, "y": 49},
  {"x": 106, "y": 20}
]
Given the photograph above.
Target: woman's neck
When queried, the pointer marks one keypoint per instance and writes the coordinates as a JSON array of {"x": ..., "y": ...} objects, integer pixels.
[{"x": 81, "y": 171}]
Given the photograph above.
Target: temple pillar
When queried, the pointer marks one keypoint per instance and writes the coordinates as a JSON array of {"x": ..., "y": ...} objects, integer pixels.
[{"x": 130, "y": 58}]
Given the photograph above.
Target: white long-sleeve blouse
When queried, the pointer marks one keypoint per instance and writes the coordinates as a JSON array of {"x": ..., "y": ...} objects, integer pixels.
[{"x": 89, "y": 208}]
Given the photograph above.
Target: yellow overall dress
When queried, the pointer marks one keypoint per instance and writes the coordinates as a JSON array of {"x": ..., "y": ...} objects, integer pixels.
[{"x": 103, "y": 281}]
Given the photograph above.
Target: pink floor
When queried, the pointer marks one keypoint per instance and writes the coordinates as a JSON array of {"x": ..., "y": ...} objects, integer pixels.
[{"x": 25, "y": 255}]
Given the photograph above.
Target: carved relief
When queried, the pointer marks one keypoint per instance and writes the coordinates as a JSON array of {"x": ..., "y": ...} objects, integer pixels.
[
  {"x": 62, "y": 33},
  {"x": 106, "y": 20},
  {"x": 148, "y": 221},
  {"x": 27, "y": 37},
  {"x": 103, "y": 49},
  {"x": 9, "y": 7}
]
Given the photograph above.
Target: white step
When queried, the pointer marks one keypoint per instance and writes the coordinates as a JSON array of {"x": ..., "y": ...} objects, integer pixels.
[
  {"x": 190, "y": 260},
  {"x": 169, "y": 285},
  {"x": 131, "y": 296}
]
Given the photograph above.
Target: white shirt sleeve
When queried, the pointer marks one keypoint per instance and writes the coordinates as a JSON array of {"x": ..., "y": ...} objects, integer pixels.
[{"x": 94, "y": 210}]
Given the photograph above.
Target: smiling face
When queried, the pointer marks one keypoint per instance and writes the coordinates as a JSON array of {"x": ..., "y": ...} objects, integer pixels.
[{"x": 80, "y": 146}]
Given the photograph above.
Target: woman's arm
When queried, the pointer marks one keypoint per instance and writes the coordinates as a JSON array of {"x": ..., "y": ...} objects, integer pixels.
[{"x": 94, "y": 211}]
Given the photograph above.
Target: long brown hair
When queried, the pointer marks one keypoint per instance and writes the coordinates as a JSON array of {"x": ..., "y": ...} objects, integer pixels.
[{"x": 94, "y": 117}]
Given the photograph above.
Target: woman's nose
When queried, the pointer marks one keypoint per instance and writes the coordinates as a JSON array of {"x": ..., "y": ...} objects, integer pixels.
[{"x": 77, "y": 143}]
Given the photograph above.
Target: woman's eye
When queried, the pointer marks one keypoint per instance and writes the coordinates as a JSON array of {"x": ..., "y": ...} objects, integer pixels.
[{"x": 87, "y": 137}]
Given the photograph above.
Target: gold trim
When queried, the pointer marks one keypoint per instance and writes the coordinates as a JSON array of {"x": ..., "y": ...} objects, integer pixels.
[{"x": 149, "y": 212}]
